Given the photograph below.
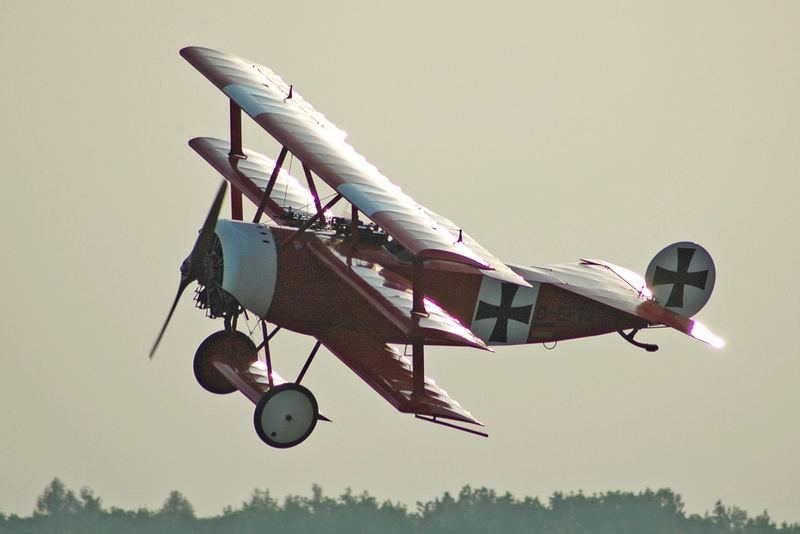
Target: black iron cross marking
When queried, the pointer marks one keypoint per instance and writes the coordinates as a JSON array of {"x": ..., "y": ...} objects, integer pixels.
[
  {"x": 680, "y": 278},
  {"x": 504, "y": 312}
]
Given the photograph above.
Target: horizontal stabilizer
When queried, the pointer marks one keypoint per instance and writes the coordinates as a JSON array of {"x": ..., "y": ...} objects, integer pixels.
[{"x": 623, "y": 290}]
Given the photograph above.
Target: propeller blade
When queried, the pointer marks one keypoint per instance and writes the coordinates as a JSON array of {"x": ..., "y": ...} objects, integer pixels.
[
  {"x": 204, "y": 240},
  {"x": 190, "y": 268},
  {"x": 184, "y": 283}
]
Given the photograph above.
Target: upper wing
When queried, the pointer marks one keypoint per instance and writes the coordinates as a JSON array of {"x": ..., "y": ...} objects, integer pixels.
[
  {"x": 322, "y": 147},
  {"x": 619, "y": 288}
]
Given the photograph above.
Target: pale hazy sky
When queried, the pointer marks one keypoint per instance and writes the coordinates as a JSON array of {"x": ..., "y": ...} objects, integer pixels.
[{"x": 550, "y": 131}]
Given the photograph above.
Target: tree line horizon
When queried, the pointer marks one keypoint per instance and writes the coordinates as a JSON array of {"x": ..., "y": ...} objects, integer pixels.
[{"x": 60, "y": 509}]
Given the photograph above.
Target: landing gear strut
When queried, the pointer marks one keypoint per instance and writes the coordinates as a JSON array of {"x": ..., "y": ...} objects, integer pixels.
[{"x": 287, "y": 413}]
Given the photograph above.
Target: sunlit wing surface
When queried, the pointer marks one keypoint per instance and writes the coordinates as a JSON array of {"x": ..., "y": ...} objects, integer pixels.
[
  {"x": 391, "y": 297},
  {"x": 619, "y": 288},
  {"x": 251, "y": 175},
  {"x": 252, "y": 382},
  {"x": 389, "y": 373},
  {"x": 322, "y": 147},
  {"x": 501, "y": 270}
]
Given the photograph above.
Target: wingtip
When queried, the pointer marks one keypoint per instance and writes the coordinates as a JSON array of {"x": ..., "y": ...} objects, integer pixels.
[
  {"x": 188, "y": 49},
  {"x": 701, "y": 332}
]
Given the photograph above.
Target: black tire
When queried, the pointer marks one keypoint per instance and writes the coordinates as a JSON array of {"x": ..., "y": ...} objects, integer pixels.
[
  {"x": 296, "y": 434},
  {"x": 234, "y": 348}
]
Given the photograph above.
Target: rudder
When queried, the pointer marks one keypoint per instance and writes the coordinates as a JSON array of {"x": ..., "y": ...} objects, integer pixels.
[{"x": 681, "y": 277}]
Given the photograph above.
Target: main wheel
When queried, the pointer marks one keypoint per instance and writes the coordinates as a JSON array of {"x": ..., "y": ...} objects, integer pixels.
[
  {"x": 286, "y": 415},
  {"x": 233, "y": 348}
]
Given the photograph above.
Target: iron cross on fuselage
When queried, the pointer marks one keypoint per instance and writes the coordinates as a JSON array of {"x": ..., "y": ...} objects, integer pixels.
[
  {"x": 503, "y": 312},
  {"x": 680, "y": 278}
]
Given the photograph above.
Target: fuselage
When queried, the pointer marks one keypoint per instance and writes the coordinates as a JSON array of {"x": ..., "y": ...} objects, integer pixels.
[{"x": 309, "y": 298}]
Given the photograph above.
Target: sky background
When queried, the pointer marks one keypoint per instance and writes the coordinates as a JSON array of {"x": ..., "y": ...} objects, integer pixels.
[{"x": 549, "y": 131}]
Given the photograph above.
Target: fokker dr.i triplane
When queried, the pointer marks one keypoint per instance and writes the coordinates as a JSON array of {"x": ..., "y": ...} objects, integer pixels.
[{"x": 381, "y": 283}]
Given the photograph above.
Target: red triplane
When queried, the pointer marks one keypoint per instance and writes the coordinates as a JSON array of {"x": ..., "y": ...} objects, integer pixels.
[{"x": 385, "y": 282}]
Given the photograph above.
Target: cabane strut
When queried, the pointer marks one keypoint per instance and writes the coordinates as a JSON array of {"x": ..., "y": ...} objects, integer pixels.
[{"x": 236, "y": 153}]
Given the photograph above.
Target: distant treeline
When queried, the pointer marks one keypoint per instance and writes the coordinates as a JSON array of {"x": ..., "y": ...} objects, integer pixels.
[{"x": 59, "y": 509}]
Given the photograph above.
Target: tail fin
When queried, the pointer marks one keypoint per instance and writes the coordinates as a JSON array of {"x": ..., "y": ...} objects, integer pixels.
[{"x": 681, "y": 277}]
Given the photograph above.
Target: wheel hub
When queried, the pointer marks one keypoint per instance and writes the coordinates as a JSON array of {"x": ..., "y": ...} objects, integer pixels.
[{"x": 286, "y": 415}]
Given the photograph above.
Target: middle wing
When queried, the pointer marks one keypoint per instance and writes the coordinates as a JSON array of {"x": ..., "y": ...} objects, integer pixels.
[
  {"x": 322, "y": 147},
  {"x": 251, "y": 175},
  {"x": 379, "y": 364},
  {"x": 389, "y": 295}
]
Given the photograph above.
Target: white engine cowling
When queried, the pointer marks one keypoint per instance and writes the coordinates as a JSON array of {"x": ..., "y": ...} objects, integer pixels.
[
  {"x": 250, "y": 267},
  {"x": 681, "y": 277}
]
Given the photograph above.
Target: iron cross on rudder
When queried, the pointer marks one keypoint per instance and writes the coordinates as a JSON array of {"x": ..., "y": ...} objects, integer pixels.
[{"x": 680, "y": 278}]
